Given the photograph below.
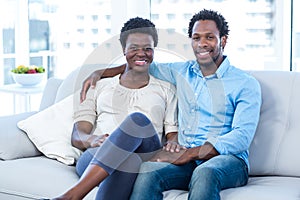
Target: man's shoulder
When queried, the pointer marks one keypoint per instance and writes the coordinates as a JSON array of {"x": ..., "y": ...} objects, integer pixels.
[
  {"x": 174, "y": 65},
  {"x": 241, "y": 77},
  {"x": 237, "y": 72}
]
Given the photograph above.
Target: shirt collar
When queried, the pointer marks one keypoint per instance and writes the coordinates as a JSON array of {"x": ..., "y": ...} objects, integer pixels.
[
  {"x": 223, "y": 67},
  {"x": 220, "y": 71}
]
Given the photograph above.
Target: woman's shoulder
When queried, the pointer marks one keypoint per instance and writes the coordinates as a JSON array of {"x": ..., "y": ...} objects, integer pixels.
[
  {"x": 107, "y": 82},
  {"x": 162, "y": 83}
]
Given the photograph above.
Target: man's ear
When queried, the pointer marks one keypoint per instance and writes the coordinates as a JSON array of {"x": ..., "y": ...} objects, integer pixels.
[{"x": 223, "y": 41}]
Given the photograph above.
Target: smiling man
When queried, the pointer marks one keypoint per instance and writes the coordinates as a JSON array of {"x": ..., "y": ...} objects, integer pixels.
[
  {"x": 219, "y": 108},
  {"x": 218, "y": 112}
]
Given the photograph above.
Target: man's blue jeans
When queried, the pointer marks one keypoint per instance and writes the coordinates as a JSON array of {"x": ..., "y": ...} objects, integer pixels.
[{"x": 204, "y": 182}]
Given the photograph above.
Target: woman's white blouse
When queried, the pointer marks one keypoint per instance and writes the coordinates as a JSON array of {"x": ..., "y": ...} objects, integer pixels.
[{"x": 109, "y": 103}]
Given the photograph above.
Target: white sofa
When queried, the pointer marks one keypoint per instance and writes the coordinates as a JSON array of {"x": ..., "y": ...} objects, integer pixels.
[{"x": 274, "y": 153}]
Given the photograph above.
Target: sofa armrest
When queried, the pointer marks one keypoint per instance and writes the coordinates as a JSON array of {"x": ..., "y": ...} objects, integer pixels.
[{"x": 14, "y": 143}]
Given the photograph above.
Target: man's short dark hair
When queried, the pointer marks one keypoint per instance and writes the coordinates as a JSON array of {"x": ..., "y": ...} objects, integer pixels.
[
  {"x": 204, "y": 14},
  {"x": 138, "y": 25}
]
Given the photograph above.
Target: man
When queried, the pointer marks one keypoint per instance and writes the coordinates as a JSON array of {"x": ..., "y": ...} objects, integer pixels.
[{"x": 219, "y": 108}]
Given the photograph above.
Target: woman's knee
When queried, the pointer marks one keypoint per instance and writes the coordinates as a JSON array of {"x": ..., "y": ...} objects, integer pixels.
[
  {"x": 137, "y": 125},
  {"x": 139, "y": 118}
]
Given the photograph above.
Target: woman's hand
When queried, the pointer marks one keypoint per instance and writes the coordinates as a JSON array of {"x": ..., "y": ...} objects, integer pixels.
[
  {"x": 97, "y": 140},
  {"x": 173, "y": 146}
]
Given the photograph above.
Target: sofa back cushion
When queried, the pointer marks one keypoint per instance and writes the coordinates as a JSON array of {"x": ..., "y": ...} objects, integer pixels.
[
  {"x": 50, "y": 91},
  {"x": 275, "y": 147},
  {"x": 73, "y": 82},
  {"x": 14, "y": 143}
]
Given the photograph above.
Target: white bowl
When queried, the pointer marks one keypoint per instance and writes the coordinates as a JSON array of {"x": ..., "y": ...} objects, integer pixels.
[{"x": 28, "y": 79}]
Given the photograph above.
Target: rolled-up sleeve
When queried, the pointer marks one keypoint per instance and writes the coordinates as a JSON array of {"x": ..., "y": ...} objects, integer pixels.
[
  {"x": 244, "y": 123},
  {"x": 171, "y": 120},
  {"x": 86, "y": 111}
]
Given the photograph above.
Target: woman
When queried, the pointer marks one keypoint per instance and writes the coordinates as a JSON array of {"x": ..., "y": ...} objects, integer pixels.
[{"x": 128, "y": 114}]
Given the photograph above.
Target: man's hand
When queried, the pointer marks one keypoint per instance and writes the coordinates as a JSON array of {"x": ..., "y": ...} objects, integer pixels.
[
  {"x": 92, "y": 79},
  {"x": 204, "y": 152},
  {"x": 176, "y": 158}
]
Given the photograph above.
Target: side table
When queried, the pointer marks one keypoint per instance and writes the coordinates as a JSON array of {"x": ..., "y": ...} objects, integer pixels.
[{"x": 24, "y": 91}]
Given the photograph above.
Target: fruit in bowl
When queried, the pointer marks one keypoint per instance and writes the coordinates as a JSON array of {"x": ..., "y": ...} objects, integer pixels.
[{"x": 28, "y": 76}]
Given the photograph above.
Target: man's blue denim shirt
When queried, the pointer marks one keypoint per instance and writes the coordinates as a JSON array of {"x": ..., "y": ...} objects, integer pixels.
[{"x": 222, "y": 109}]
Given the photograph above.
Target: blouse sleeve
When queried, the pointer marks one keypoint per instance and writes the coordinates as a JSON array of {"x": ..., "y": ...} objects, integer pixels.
[
  {"x": 87, "y": 110},
  {"x": 170, "y": 121}
]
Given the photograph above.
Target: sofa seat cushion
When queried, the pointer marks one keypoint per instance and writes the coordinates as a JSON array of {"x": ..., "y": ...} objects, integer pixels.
[
  {"x": 258, "y": 188},
  {"x": 35, "y": 178}
]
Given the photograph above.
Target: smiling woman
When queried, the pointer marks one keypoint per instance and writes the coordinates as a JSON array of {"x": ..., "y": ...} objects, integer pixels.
[{"x": 121, "y": 122}]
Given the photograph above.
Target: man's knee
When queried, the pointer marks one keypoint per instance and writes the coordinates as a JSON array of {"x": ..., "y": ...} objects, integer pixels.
[{"x": 203, "y": 171}]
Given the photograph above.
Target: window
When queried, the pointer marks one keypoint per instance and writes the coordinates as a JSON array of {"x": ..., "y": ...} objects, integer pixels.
[
  {"x": 154, "y": 17},
  {"x": 171, "y": 30},
  {"x": 108, "y": 31},
  {"x": 80, "y": 30},
  {"x": 295, "y": 37},
  {"x": 95, "y": 31},
  {"x": 264, "y": 35},
  {"x": 94, "y": 17},
  {"x": 43, "y": 28},
  {"x": 255, "y": 29},
  {"x": 80, "y": 17},
  {"x": 94, "y": 45},
  {"x": 67, "y": 45},
  {"x": 80, "y": 44},
  {"x": 171, "y": 16}
]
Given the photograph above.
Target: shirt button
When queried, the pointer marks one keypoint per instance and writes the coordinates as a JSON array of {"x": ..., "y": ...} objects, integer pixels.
[{"x": 189, "y": 139}]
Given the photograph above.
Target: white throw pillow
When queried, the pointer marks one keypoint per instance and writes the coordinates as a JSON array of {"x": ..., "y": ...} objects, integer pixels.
[{"x": 50, "y": 131}]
